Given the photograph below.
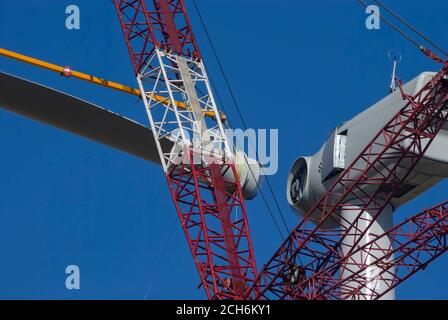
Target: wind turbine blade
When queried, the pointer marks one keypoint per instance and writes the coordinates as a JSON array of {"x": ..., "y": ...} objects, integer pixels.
[{"x": 68, "y": 113}]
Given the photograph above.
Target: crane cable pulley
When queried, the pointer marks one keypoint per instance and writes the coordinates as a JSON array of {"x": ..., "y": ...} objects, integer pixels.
[{"x": 426, "y": 51}]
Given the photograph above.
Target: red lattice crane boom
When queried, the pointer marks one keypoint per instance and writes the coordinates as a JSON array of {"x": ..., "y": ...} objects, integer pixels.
[
  {"x": 381, "y": 168},
  {"x": 414, "y": 243},
  {"x": 204, "y": 183},
  {"x": 200, "y": 169},
  {"x": 308, "y": 265}
]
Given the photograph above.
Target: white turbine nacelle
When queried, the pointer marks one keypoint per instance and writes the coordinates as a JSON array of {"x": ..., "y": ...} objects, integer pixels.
[{"x": 310, "y": 177}]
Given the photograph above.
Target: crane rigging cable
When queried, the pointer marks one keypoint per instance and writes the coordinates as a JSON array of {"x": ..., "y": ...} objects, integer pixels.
[
  {"x": 422, "y": 48},
  {"x": 228, "y": 121},
  {"x": 406, "y": 36},
  {"x": 222, "y": 105},
  {"x": 265, "y": 201},
  {"x": 407, "y": 24},
  {"x": 160, "y": 258},
  {"x": 240, "y": 115}
]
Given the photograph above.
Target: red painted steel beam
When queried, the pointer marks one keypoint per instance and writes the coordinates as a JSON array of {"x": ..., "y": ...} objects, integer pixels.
[
  {"x": 206, "y": 204},
  {"x": 381, "y": 168},
  {"x": 415, "y": 242},
  {"x": 162, "y": 24},
  {"x": 171, "y": 30},
  {"x": 227, "y": 228},
  {"x": 136, "y": 26},
  {"x": 206, "y": 201}
]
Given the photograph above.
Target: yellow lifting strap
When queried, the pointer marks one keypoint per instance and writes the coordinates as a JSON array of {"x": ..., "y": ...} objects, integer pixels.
[{"x": 66, "y": 71}]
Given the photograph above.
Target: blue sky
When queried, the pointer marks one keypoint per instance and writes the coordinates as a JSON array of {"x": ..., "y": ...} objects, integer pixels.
[{"x": 301, "y": 67}]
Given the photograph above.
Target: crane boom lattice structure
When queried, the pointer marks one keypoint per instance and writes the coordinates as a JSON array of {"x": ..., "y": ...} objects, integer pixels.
[
  {"x": 311, "y": 260},
  {"x": 199, "y": 169},
  {"x": 414, "y": 243},
  {"x": 347, "y": 261}
]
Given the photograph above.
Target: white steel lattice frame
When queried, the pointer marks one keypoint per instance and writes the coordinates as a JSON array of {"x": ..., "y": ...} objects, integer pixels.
[{"x": 162, "y": 77}]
